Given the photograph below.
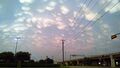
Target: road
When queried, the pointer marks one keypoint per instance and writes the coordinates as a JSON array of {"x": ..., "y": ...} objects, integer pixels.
[
  {"x": 89, "y": 67},
  {"x": 63, "y": 67},
  {"x": 29, "y": 67}
]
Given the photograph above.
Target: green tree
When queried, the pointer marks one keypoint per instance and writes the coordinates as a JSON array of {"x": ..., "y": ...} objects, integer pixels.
[
  {"x": 6, "y": 57},
  {"x": 22, "y": 56},
  {"x": 42, "y": 62},
  {"x": 49, "y": 61}
]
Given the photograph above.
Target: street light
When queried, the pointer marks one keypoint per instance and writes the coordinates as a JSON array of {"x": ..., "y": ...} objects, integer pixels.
[
  {"x": 114, "y": 36},
  {"x": 17, "y": 38}
]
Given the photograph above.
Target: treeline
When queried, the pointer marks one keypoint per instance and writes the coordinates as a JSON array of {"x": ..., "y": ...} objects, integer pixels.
[{"x": 23, "y": 57}]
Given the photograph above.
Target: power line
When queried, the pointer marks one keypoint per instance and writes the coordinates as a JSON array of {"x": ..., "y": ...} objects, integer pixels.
[
  {"x": 98, "y": 18},
  {"x": 94, "y": 4},
  {"x": 79, "y": 11},
  {"x": 105, "y": 13},
  {"x": 88, "y": 5},
  {"x": 90, "y": 1},
  {"x": 82, "y": 8},
  {"x": 82, "y": 20},
  {"x": 106, "y": 5},
  {"x": 98, "y": 13}
]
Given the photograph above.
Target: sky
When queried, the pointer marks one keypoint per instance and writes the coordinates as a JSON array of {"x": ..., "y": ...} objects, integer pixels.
[{"x": 85, "y": 25}]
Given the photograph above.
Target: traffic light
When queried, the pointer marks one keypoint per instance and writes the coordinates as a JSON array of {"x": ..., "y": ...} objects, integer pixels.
[{"x": 113, "y": 36}]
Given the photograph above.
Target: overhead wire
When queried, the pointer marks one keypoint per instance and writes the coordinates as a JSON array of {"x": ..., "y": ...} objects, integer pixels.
[
  {"x": 79, "y": 11},
  {"x": 97, "y": 19},
  {"x": 106, "y": 5},
  {"x": 90, "y": 1},
  {"x": 87, "y": 2},
  {"x": 105, "y": 13}
]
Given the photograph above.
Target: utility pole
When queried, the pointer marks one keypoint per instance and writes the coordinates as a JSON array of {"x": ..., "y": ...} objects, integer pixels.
[{"x": 63, "y": 51}]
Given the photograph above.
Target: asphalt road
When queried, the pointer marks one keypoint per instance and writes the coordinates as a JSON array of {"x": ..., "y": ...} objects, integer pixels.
[
  {"x": 64, "y": 67},
  {"x": 29, "y": 67},
  {"x": 89, "y": 67}
]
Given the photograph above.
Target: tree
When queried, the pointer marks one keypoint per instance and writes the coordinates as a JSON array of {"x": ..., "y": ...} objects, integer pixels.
[
  {"x": 49, "y": 61},
  {"x": 6, "y": 57},
  {"x": 22, "y": 56},
  {"x": 42, "y": 62},
  {"x": 32, "y": 61},
  {"x": 87, "y": 61}
]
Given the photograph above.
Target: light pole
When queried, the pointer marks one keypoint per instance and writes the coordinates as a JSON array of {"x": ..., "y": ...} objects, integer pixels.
[
  {"x": 17, "y": 38},
  {"x": 114, "y": 36},
  {"x": 111, "y": 56}
]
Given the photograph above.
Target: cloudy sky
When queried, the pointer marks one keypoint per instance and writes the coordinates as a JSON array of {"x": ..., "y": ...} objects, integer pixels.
[{"x": 85, "y": 25}]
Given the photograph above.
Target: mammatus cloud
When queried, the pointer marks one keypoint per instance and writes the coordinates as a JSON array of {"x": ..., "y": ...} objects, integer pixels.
[
  {"x": 89, "y": 14},
  {"x": 64, "y": 9},
  {"x": 43, "y": 26},
  {"x": 26, "y": 1},
  {"x": 111, "y": 3}
]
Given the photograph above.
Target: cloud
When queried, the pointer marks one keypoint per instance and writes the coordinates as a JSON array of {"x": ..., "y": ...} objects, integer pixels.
[
  {"x": 64, "y": 9},
  {"x": 23, "y": 14},
  {"x": 25, "y": 8},
  {"x": 1, "y": 7},
  {"x": 48, "y": 22},
  {"x": 3, "y": 26},
  {"x": 52, "y": 4},
  {"x": 45, "y": 0},
  {"x": 15, "y": 28},
  {"x": 81, "y": 26},
  {"x": 38, "y": 39},
  {"x": 71, "y": 23},
  {"x": 6, "y": 29},
  {"x": 111, "y": 4},
  {"x": 20, "y": 19},
  {"x": 49, "y": 8},
  {"x": 44, "y": 22},
  {"x": 40, "y": 10},
  {"x": 61, "y": 25},
  {"x": 26, "y": 1},
  {"x": 57, "y": 40},
  {"x": 89, "y": 14},
  {"x": 44, "y": 30}
]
